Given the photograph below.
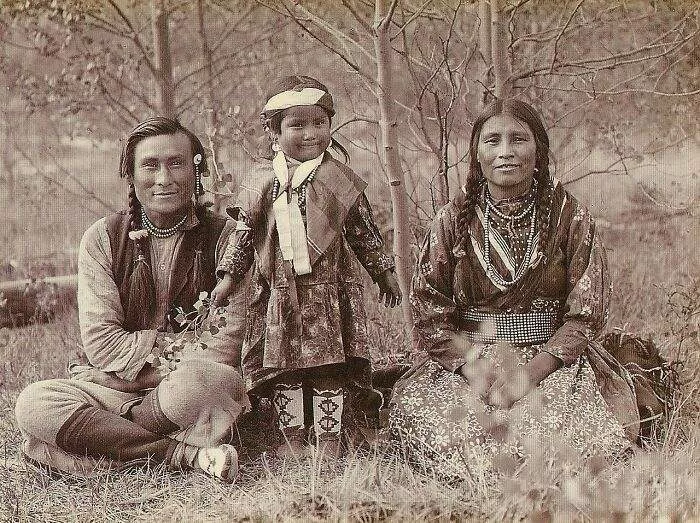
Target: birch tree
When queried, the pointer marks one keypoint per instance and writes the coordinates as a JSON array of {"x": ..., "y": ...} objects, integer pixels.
[
  {"x": 162, "y": 59},
  {"x": 390, "y": 157}
]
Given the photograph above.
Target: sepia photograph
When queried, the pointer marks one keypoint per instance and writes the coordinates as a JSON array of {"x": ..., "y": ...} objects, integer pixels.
[{"x": 350, "y": 260}]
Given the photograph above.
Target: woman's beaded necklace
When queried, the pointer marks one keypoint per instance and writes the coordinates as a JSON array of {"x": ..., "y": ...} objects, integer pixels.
[
  {"x": 529, "y": 249},
  {"x": 157, "y": 231}
]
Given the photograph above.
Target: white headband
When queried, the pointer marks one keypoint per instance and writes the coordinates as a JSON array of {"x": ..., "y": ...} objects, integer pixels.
[{"x": 287, "y": 99}]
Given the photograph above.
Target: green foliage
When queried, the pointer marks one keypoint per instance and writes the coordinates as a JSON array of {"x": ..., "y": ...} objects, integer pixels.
[{"x": 198, "y": 328}]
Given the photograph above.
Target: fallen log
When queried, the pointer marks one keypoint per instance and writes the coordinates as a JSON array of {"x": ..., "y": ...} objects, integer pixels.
[{"x": 23, "y": 301}]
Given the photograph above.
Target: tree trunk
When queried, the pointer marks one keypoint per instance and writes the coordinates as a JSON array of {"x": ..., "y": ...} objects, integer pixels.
[
  {"x": 211, "y": 117},
  {"x": 499, "y": 50},
  {"x": 163, "y": 59},
  {"x": 391, "y": 160},
  {"x": 8, "y": 168},
  {"x": 485, "y": 46},
  {"x": 441, "y": 185}
]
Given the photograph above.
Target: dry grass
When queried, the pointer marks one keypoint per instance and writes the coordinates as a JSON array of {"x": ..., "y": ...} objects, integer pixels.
[
  {"x": 663, "y": 483},
  {"x": 653, "y": 262}
]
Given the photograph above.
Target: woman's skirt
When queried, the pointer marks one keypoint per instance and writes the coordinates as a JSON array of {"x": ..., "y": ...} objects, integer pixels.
[{"x": 444, "y": 425}]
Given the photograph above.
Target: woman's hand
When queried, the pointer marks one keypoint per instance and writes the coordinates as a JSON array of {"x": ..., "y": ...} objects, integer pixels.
[
  {"x": 541, "y": 366},
  {"x": 389, "y": 290},
  {"x": 508, "y": 387},
  {"x": 480, "y": 375},
  {"x": 511, "y": 386},
  {"x": 222, "y": 290}
]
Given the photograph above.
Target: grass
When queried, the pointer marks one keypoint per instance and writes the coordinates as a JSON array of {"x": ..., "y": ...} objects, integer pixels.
[
  {"x": 652, "y": 257},
  {"x": 661, "y": 483}
]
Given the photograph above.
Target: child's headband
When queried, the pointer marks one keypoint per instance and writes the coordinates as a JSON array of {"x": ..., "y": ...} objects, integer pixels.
[{"x": 306, "y": 96}]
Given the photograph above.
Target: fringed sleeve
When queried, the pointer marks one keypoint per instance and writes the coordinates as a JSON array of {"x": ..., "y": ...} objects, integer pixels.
[{"x": 239, "y": 253}]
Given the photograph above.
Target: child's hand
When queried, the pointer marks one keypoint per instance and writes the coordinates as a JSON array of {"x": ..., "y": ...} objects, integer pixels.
[
  {"x": 222, "y": 290},
  {"x": 389, "y": 290}
]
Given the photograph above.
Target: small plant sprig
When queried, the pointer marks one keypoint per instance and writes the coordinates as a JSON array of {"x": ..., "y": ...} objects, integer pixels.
[{"x": 199, "y": 327}]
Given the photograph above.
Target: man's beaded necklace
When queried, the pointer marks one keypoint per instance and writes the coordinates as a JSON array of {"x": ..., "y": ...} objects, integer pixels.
[{"x": 157, "y": 231}]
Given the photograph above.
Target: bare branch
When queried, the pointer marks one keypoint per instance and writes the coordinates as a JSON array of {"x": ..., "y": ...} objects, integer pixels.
[
  {"x": 348, "y": 5},
  {"x": 415, "y": 15},
  {"x": 331, "y": 30},
  {"x": 354, "y": 65},
  {"x": 118, "y": 107},
  {"x": 231, "y": 27},
  {"x": 390, "y": 12},
  {"x": 352, "y": 120},
  {"x": 67, "y": 175},
  {"x": 135, "y": 38},
  {"x": 561, "y": 32},
  {"x": 618, "y": 59},
  {"x": 514, "y": 8},
  {"x": 105, "y": 25},
  {"x": 271, "y": 8},
  {"x": 259, "y": 38}
]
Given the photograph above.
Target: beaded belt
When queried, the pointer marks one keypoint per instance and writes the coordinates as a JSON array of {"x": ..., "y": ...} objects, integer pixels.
[{"x": 514, "y": 327}]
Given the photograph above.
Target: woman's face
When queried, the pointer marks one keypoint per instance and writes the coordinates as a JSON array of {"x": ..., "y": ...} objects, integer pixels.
[
  {"x": 305, "y": 132},
  {"x": 164, "y": 177},
  {"x": 506, "y": 153}
]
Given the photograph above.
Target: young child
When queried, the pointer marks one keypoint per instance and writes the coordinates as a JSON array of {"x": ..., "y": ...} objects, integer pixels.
[{"x": 305, "y": 221}]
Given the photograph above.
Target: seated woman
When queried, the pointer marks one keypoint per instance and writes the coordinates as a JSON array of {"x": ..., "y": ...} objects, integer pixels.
[
  {"x": 510, "y": 289},
  {"x": 134, "y": 269}
]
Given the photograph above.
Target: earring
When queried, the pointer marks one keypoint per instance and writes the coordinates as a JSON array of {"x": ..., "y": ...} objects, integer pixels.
[
  {"x": 198, "y": 187},
  {"x": 276, "y": 147}
]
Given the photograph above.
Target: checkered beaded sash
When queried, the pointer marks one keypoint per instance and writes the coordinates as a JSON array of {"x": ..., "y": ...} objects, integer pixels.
[{"x": 520, "y": 328}]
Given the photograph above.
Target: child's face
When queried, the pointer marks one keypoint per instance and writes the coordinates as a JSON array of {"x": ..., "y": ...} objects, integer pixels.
[{"x": 305, "y": 132}]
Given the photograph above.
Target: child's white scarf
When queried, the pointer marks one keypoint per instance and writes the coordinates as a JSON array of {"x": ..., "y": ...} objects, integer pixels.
[{"x": 291, "y": 230}]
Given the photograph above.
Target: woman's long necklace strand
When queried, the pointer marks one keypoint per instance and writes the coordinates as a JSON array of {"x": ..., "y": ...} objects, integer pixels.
[
  {"x": 157, "y": 231},
  {"x": 493, "y": 274}
]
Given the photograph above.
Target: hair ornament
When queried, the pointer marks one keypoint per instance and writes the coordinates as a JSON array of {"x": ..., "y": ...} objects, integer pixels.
[
  {"x": 140, "y": 234},
  {"x": 292, "y": 97}
]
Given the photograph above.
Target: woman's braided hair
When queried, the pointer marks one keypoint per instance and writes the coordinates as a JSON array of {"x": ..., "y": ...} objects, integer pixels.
[
  {"x": 475, "y": 178},
  {"x": 141, "y": 291}
]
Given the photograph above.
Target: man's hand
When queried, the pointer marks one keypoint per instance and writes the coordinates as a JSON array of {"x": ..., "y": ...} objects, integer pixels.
[{"x": 106, "y": 379}]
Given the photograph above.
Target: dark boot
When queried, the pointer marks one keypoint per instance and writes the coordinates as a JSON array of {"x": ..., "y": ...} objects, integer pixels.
[{"x": 98, "y": 433}]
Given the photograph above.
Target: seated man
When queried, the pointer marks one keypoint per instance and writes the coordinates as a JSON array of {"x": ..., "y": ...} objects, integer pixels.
[{"x": 135, "y": 268}]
